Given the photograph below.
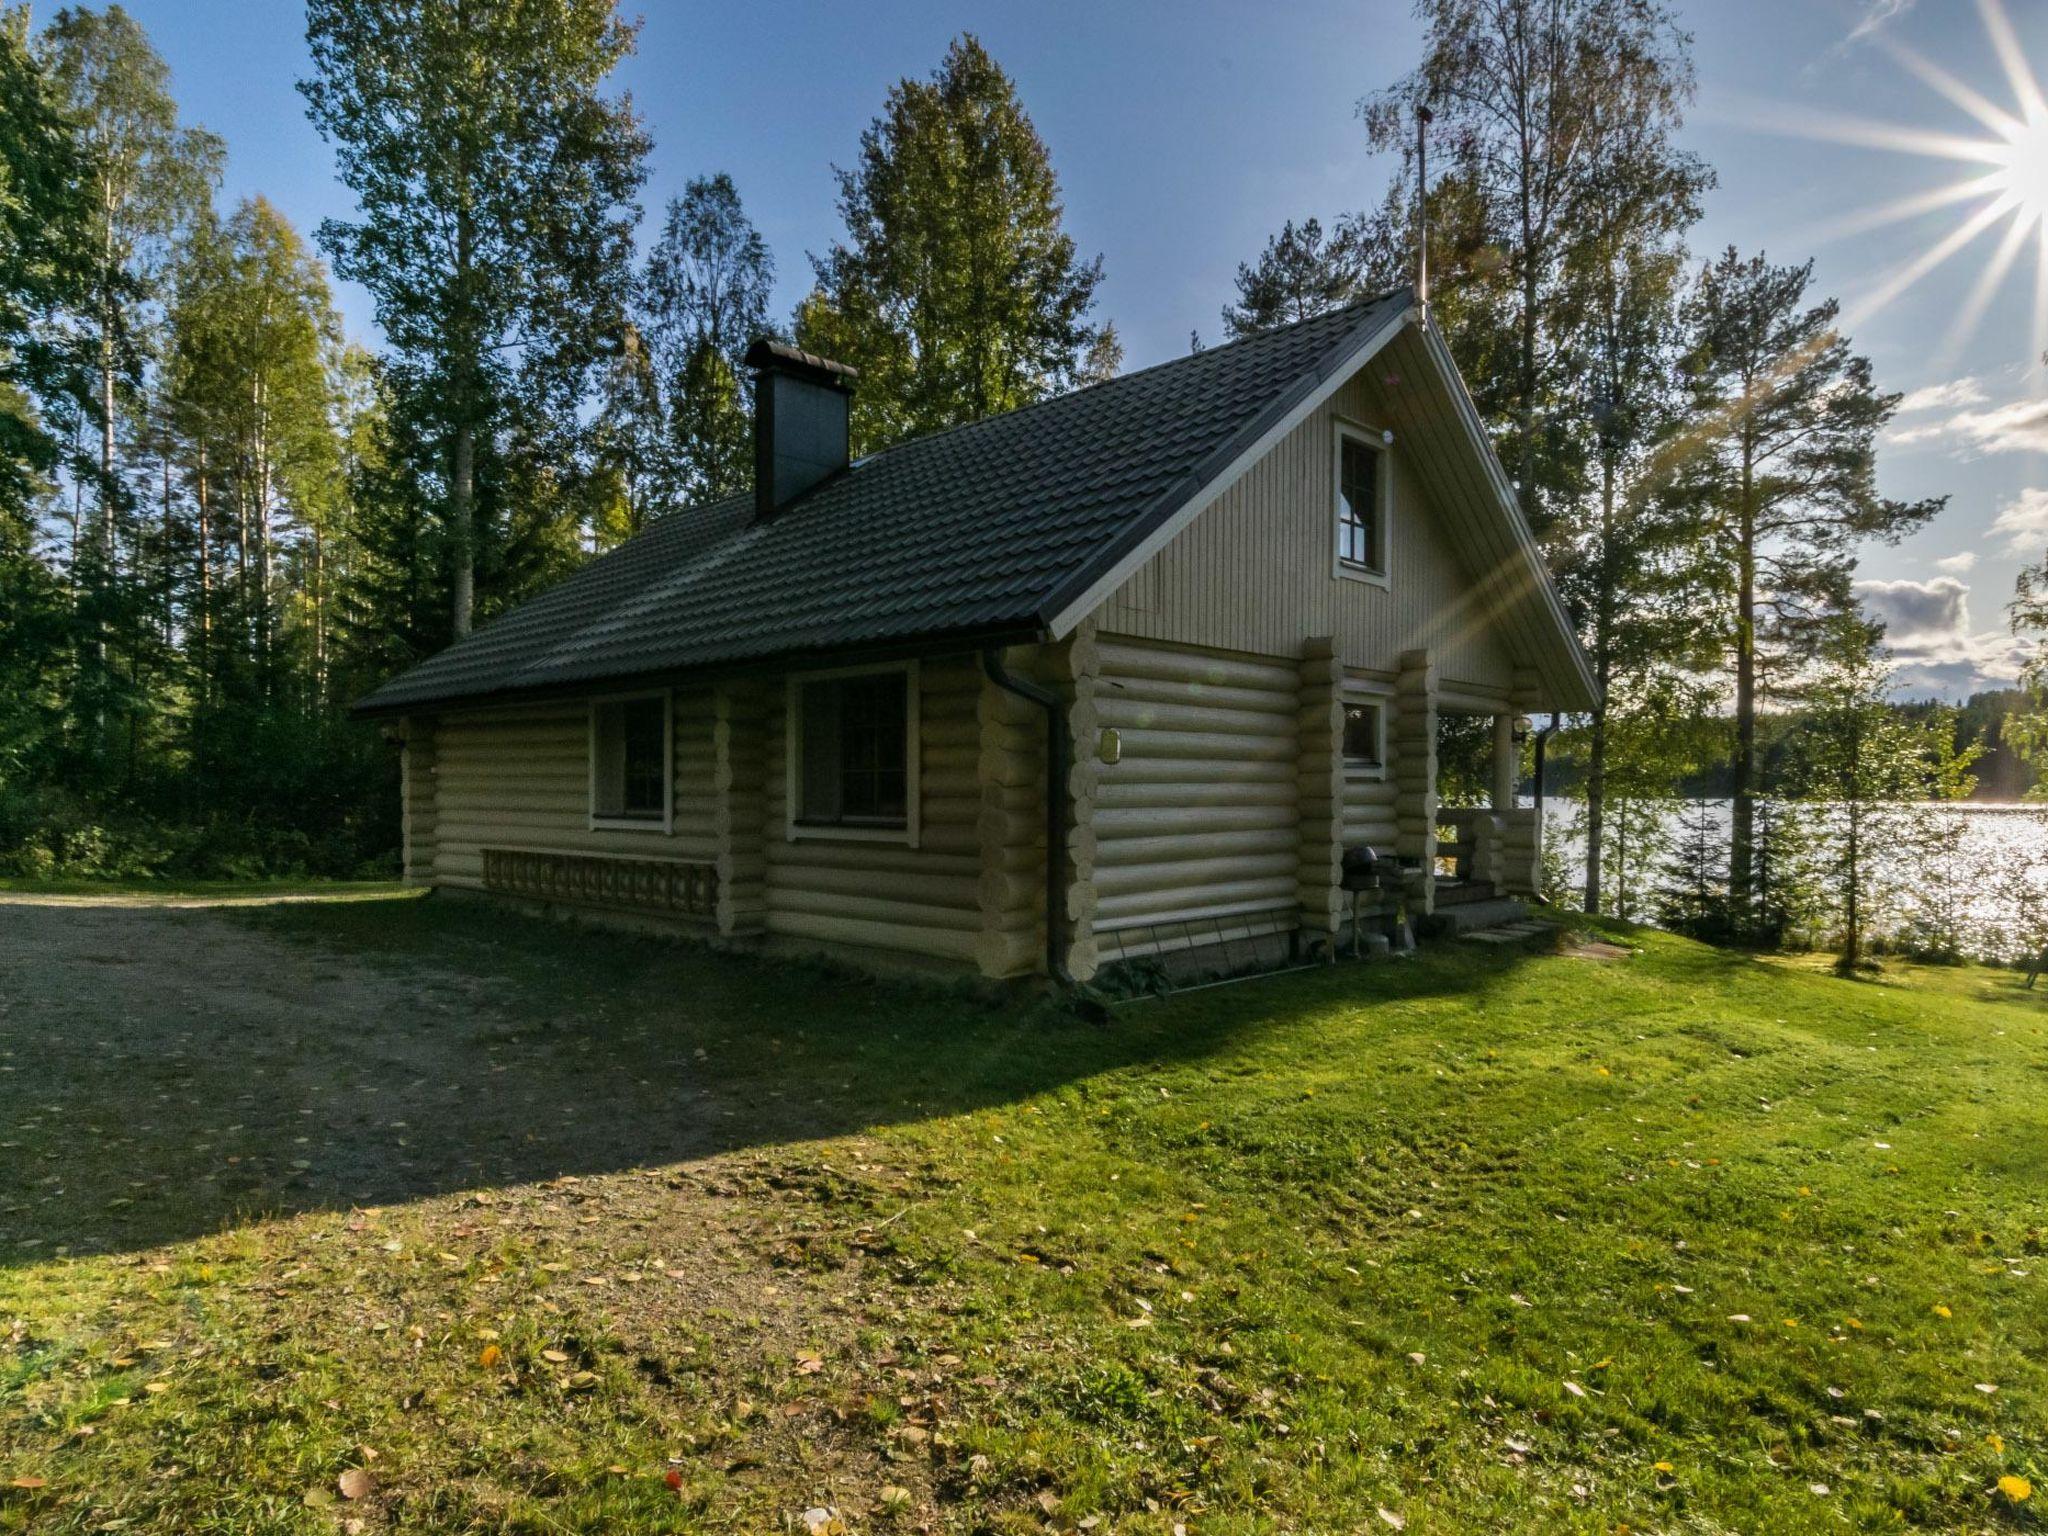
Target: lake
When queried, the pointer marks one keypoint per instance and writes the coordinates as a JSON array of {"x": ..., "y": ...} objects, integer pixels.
[{"x": 1992, "y": 864}]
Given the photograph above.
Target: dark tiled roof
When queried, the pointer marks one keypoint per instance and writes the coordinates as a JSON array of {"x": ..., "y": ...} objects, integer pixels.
[{"x": 984, "y": 529}]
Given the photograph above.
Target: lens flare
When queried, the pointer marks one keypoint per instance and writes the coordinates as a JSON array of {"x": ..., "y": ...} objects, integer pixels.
[{"x": 2003, "y": 184}]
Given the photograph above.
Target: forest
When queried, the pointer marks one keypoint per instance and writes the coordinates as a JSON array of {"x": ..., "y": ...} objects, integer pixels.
[{"x": 221, "y": 522}]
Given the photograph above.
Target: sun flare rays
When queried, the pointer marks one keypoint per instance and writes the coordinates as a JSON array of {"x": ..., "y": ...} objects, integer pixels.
[{"x": 2002, "y": 181}]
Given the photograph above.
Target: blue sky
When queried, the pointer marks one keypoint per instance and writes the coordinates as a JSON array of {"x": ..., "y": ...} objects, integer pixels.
[{"x": 1185, "y": 133}]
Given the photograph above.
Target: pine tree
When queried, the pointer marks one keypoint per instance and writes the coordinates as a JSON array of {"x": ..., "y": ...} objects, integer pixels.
[
  {"x": 495, "y": 183},
  {"x": 1691, "y": 895},
  {"x": 1785, "y": 898},
  {"x": 1782, "y": 462},
  {"x": 1303, "y": 273},
  {"x": 956, "y": 291},
  {"x": 47, "y": 258}
]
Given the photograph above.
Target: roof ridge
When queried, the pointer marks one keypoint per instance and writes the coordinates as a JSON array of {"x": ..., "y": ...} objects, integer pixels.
[{"x": 1367, "y": 302}]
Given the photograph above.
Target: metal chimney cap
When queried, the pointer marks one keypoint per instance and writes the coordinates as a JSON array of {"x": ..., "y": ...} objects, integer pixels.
[{"x": 767, "y": 354}]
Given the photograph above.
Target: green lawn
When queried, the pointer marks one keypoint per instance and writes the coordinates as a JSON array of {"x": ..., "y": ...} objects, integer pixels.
[{"x": 545, "y": 1231}]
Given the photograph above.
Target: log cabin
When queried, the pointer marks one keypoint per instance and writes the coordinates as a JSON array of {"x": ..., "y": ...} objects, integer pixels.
[{"x": 1121, "y": 673}]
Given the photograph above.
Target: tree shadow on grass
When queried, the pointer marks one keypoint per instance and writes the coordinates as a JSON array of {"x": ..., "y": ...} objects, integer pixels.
[{"x": 167, "y": 1073}]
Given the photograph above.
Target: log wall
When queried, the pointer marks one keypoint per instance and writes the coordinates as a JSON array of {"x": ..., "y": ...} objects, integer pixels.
[
  {"x": 520, "y": 778},
  {"x": 1197, "y": 828},
  {"x": 417, "y": 785},
  {"x": 926, "y": 899}
]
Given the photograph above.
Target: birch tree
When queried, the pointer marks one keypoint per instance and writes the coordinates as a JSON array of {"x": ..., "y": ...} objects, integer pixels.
[
  {"x": 705, "y": 294},
  {"x": 1534, "y": 101},
  {"x": 494, "y": 179}
]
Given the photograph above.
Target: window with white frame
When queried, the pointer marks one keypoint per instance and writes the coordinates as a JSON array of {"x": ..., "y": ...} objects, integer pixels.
[
  {"x": 631, "y": 754},
  {"x": 1365, "y": 737},
  {"x": 853, "y": 752},
  {"x": 1362, "y": 496}
]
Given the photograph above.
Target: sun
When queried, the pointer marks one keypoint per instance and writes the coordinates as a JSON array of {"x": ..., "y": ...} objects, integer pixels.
[
  {"x": 2022, "y": 174},
  {"x": 2002, "y": 186}
]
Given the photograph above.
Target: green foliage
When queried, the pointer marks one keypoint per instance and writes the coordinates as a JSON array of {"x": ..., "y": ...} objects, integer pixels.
[
  {"x": 956, "y": 292},
  {"x": 494, "y": 181},
  {"x": 2026, "y": 734},
  {"x": 1553, "y": 130},
  {"x": 1781, "y": 459},
  {"x": 1691, "y": 896},
  {"x": 705, "y": 294},
  {"x": 1870, "y": 766},
  {"x": 1302, "y": 272},
  {"x": 47, "y": 260}
]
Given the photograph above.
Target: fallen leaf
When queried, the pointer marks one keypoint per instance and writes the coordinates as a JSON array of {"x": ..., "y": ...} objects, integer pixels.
[
  {"x": 491, "y": 1356},
  {"x": 1398, "y": 1522},
  {"x": 26, "y": 1482},
  {"x": 555, "y": 1356},
  {"x": 1575, "y": 1389},
  {"x": 674, "y": 1479},
  {"x": 1942, "y": 1311},
  {"x": 355, "y": 1483}
]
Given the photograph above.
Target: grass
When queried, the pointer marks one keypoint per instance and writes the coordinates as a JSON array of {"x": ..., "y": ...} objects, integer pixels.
[
  {"x": 544, "y": 1231},
  {"x": 216, "y": 890}
]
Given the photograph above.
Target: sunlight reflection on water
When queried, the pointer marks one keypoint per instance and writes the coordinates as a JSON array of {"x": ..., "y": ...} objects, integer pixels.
[{"x": 1997, "y": 849}]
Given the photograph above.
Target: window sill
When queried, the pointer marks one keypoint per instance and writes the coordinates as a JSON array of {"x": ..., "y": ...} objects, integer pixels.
[
  {"x": 1348, "y": 572},
  {"x": 1365, "y": 770},
  {"x": 629, "y": 823},
  {"x": 845, "y": 832}
]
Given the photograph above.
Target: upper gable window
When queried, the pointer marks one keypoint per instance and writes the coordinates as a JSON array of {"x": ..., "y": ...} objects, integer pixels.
[
  {"x": 1363, "y": 493},
  {"x": 631, "y": 746}
]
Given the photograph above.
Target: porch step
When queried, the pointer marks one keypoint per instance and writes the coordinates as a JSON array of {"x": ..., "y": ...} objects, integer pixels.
[
  {"x": 1511, "y": 933},
  {"x": 1467, "y": 917}
]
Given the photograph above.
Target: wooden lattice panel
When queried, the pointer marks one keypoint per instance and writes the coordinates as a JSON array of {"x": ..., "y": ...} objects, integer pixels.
[{"x": 639, "y": 885}]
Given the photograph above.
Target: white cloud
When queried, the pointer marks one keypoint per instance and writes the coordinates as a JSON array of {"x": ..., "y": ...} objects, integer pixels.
[
  {"x": 1942, "y": 397},
  {"x": 1957, "y": 564},
  {"x": 2018, "y": 426},
  {"x": 1927, "y": 626},
  {"x": 2024, "y": 521},
  {"x": 1875, "y": 17}
]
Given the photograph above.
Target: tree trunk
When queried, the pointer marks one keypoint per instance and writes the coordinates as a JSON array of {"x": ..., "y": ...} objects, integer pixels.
[
  {"x": 1603, "y": 677},
  {"x": 462, "y": 468},
  {"x": 1852, "y": 947},
  {"x": 1742, "y": 849},
  {"x": 461, "y": 553},
  {"x": 205, "y": 585}
]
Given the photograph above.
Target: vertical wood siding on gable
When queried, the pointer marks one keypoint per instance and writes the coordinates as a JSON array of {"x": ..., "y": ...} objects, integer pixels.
[
  {"x": 520, "y": 778},
  {"x": 1253, "y": 571}
]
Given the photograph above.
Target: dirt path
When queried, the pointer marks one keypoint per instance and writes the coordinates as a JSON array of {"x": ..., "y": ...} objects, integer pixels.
[
  {"x": 218, "y": 1071},
  {"x": 357, "y": 1152}
]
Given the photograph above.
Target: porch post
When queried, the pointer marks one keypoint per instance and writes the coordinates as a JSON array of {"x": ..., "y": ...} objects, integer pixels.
[
  {"x": 1415, "y": 802},
  {"x": 1506, "y": 762},
  {"x": 1320, "y": 793}
]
